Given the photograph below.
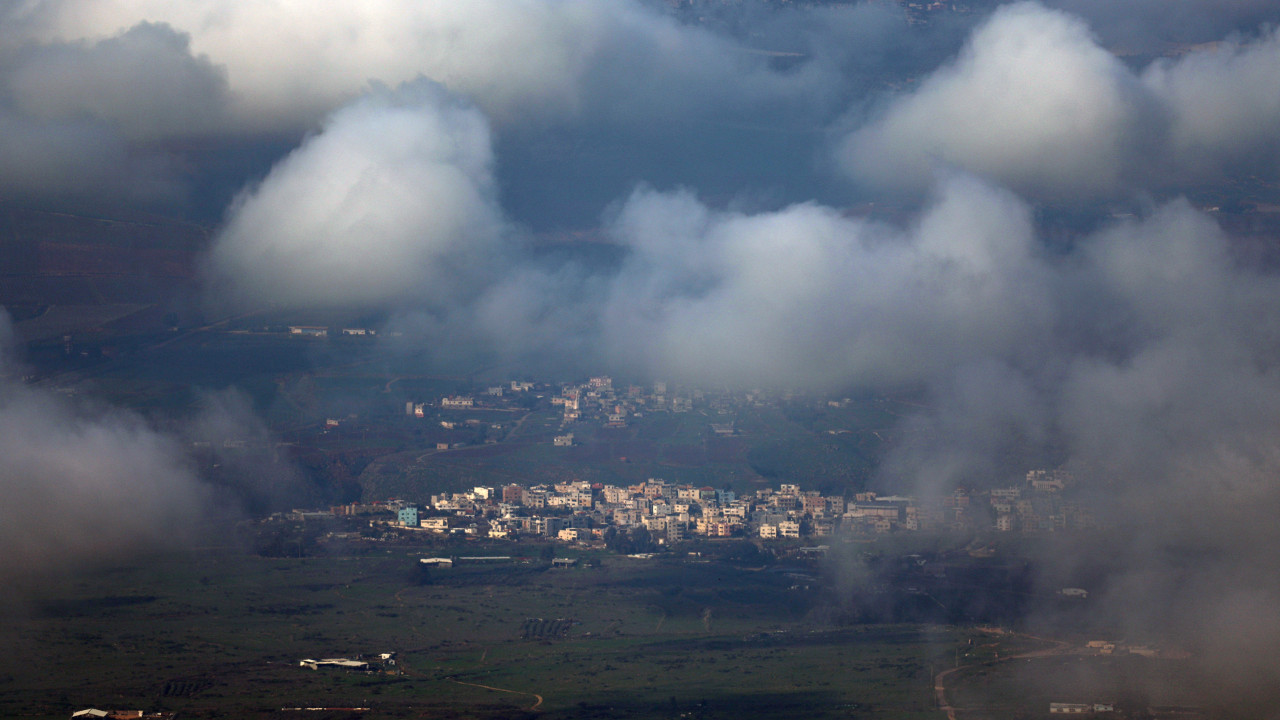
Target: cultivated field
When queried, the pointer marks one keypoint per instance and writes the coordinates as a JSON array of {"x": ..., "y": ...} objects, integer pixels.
[{"x": 219, "y": 633}]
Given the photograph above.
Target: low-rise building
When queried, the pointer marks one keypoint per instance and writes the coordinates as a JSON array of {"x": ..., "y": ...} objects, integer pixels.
[
  {"x": 342, "y": 663},
  {"x": 408, "y": 516}
]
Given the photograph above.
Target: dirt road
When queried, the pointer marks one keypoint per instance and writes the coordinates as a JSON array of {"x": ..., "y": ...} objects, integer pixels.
[{"x": 940, "y": 681}]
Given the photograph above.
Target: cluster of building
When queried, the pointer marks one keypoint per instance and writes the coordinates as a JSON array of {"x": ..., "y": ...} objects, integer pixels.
[
  {"x": 1060, "y": 708},
  {"x": 1116, "y": 647},
  {"x": 383, "y": 661},
  {"x": 594, "y": 400},
  {"x": 597, "y": 399},
  {"x": 323, "y": 331},
  {"x": 921, "y": 12},
  {"x": 1039, "y": 505},
  {"x": 578, "y": 511},
  {"x": 96, "y": 714}
]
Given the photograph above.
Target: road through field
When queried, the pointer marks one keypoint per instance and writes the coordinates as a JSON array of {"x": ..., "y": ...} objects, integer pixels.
[
  {"x": 515, "y": 692},
  {"x": 940, "y": 682}
]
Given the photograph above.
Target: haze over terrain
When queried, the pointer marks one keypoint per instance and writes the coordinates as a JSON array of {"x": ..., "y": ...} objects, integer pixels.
[{"x": 1057, "y": 221}]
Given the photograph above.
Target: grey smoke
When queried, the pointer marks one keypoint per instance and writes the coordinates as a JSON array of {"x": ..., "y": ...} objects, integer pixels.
[
  {"x": 663, "y": 99},
  {"x": 85, "y": 484}
]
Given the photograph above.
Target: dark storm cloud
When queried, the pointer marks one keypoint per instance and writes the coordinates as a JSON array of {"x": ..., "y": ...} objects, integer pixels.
[
  {"x": 1153, "y": 27},
  {"x": 587, "y": 97},
  {"x": 619, "y": 91},
  {"x": 83, "y": 118},
  {"x": 518, "y": 61},
  {"x": 42, "y": 161},
  {"x": 40, "y": 157},
  {"x": 143, "y": 82}
]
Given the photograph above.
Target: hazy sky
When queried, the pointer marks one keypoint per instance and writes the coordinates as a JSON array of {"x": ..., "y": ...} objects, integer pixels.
[{"x": 408, "y": 156}]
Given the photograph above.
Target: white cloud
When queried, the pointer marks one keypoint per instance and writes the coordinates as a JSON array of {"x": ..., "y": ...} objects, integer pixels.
[
  {"x": 1224, "y": 102},
  {"x": 1032, "y": 102},
  {"x": 806, "y": 297},
  {"x": 393, "y": 200}
]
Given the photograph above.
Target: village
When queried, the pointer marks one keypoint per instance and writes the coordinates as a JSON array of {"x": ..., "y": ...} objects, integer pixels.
[
  {"x": 587, "y": 513},
  {"x": 662, "y": 512}
]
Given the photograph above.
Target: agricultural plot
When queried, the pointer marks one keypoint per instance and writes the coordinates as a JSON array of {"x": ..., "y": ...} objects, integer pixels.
[
  {"x": 540, "y": 629},
  {"x": 220, "y": 634}
]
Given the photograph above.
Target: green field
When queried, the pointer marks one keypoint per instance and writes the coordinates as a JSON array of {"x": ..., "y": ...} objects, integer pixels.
[
  {"x": 219, "y": 633},
  {"x": 678, "y": 447}
]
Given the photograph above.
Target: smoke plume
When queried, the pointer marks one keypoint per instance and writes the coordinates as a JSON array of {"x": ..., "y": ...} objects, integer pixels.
[{"x": 85, "y": 484}]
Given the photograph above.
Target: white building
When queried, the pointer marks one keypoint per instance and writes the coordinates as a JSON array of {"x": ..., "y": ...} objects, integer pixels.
[{"x": 343, "y": 663}]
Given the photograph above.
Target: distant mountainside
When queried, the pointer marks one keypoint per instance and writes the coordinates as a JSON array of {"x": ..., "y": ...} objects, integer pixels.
[
  {"x": 67, "y": 273},
  {"x": 49, "y": 257}
]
